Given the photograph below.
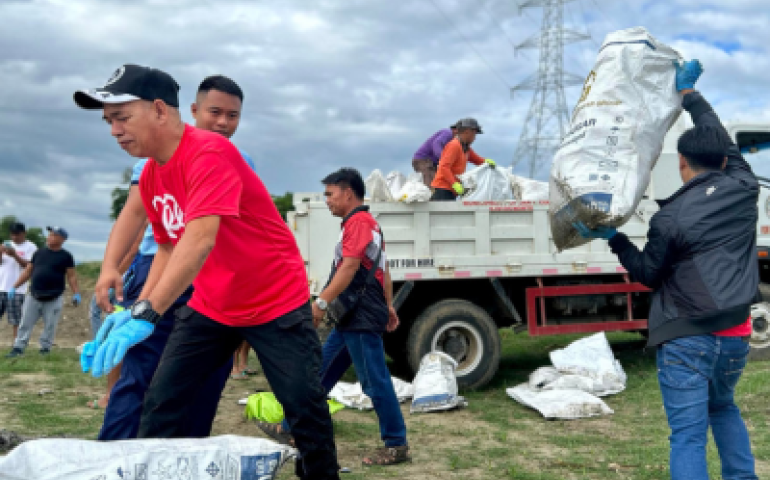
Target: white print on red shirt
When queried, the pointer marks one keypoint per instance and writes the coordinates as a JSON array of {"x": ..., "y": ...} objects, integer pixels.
[{"x": 172, "y": 216}]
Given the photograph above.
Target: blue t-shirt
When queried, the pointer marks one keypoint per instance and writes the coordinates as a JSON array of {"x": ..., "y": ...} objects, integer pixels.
[{"x": 148, "y": 245}]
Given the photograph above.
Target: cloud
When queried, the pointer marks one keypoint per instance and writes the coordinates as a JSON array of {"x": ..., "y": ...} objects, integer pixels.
[{"x": 327, "y": 83}]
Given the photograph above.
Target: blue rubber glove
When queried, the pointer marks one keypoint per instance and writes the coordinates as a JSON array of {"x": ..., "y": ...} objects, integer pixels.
[
  {"x": 11, "y": 293},
  {"x": 599, "y": 232},
  {"x": 76, "y": 299},
  {"x": 112, "y": 322},
  {"x": 111, "y": 353},
  {"x": 687, "y": 74}
]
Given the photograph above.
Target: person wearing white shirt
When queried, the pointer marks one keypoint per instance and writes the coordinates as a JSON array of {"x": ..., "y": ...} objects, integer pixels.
[{"x": 15, "y": 254}]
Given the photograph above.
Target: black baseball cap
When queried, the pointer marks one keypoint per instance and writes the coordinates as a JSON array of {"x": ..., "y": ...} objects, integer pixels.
[
  {"x": 58, "y": 231},
  {"x": 469, "y": 123},
  {"x": 128, "y": 83},
  {"x": 17, "y": 227}
]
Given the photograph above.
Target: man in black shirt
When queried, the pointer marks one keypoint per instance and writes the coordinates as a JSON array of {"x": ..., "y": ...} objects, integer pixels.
[{"x": 48, "y": 269}]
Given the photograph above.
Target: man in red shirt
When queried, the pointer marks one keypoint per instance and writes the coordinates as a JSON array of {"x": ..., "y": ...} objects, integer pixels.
[
  {"x": 216, "y": 227},
  {"x": 369, "y": 296}
]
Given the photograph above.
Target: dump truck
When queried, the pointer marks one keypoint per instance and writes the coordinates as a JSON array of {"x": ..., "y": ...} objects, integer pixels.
[{"x": 464, "y": 270}]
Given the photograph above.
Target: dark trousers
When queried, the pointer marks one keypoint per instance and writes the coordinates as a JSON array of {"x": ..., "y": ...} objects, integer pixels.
[
  {"x": 441, "y": 195},
  {"x": 124, "y": 410},
  {"x": 290, "y": 354}
]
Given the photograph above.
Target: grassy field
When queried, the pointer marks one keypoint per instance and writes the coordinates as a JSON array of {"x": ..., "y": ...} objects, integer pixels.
[{"x": 493, "y": 438}]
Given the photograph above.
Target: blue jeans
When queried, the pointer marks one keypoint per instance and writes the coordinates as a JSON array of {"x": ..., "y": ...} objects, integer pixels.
[
  {"x": 697, "y": 377},
  {"x": 365, "y": 352},
  {"x": 124, "y": 409}
]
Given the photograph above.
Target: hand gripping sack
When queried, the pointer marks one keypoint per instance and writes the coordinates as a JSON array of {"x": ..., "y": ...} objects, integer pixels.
[{"x": 603, "y": 166}]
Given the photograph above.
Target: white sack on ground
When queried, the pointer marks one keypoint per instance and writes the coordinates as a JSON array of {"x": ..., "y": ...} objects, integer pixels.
[
  {"x": 435, "y": 386},
  {"x": 414, "y": 190},
  {"x": 528, "y": 190},
  {"x": 592, "y": 357},
  {"x": 485, "y": 183},
  {"x": 377, "y": 187},
  {"x": 560, "y": 404},
  {"x": 395, "y": 181},
  {"x": 353, "y": 396},
  {"x": 583, "y": 371},
  {"x": 603, "y": 166},
  {"x": 227, "y": 457}
]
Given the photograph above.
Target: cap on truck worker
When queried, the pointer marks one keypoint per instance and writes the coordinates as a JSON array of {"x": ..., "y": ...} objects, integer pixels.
[{"x": 454, "y": 159}]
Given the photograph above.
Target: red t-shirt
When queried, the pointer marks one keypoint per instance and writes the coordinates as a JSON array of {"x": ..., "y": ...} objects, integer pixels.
[
  {"x": 361, "y": 238},
  {"x": 255, "y": 272},
  {"x": 737, "y": 331}
]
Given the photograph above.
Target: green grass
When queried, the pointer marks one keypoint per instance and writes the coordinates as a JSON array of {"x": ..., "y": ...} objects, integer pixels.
[
  {"x": 88, "y": 270},
  {"x": 494, "y": 438}
]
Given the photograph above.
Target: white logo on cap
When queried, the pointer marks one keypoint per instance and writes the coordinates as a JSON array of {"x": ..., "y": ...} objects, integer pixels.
[
  {"x": 710, "y": 190},
  {"x": 116, "y": 76}
]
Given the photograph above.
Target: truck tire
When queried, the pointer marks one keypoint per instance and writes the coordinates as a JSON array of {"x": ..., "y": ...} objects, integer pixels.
[
  {"x": 465, "y": 332},
  {"x": 760, "y": 334}
]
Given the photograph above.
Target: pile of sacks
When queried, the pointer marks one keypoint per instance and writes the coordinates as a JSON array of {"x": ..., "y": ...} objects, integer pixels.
[
  {"x": 482, "y": 183},
  {"x": 570, "y": 389},
  {"x": 396, "y": 187}
]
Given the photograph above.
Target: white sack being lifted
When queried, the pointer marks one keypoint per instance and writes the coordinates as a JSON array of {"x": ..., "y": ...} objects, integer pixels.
[
  {"x": 485, "y": 183},
  {"x": 225, "y": 457},
  {"x": 603, "y": 165}
]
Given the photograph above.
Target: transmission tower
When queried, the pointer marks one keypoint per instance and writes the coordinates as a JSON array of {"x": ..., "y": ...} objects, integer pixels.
[{"x": 548, "y": 116}]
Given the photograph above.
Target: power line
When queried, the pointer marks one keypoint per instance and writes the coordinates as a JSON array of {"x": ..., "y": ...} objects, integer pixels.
[{"x": 470, "y": 44}]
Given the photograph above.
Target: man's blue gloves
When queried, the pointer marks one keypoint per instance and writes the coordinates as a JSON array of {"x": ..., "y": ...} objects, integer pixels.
[
  {"x": 111, "y": 327},
  {"x": 599, "y": 232},
  {"x": 687, "y": 74},
  {"x": 111, "y": 353},
  {"x": 11, "y": 293},
  {"x": 76, "y": 299}
]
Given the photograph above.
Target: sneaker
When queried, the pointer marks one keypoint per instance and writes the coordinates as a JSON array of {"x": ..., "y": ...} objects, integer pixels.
[
  {"x": 16, "y": 352},
  {"x": 45, "y": 351},
  {"x": 388, "y": 456}
]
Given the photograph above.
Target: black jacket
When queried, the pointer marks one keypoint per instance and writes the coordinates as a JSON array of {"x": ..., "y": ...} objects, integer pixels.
[{"x": 700, "y": 257}]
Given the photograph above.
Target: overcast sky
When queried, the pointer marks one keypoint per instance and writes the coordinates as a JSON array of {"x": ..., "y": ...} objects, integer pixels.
[{"x": 328, "y": 83}]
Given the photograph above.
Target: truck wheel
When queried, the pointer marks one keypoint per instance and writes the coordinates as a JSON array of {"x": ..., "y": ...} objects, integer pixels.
[
  {"x": 465, "y": 332},
  {"x": 760, "y": 333}
]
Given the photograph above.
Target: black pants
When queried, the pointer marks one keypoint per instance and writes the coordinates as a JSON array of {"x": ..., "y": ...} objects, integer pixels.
[
  {"x": 290, "y": 354},
  {"x": 441, "y": 195}
]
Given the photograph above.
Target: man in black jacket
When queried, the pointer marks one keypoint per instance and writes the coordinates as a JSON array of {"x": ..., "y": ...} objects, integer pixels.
[{"x": 700, "y": 262}]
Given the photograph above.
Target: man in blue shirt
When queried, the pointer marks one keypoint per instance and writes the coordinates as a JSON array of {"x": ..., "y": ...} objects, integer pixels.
[{"x": 217, "y": 108}]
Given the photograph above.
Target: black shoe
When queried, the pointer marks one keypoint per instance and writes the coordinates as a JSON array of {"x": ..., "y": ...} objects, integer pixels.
[
  {"x": 16, "y": 352},
  {"x": 45, "y": 351}
]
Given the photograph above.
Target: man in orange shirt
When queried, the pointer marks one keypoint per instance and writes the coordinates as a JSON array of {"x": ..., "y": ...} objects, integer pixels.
[{"x": 454, "y": 159}]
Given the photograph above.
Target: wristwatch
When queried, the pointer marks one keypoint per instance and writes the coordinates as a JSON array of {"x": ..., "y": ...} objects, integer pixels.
[
  {"x": 143, "y": 311},
  {"x": 321, "y": 304}
]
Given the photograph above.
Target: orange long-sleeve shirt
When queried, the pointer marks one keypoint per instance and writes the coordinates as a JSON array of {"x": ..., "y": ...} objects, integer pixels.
[{"x": 452, "y": 163}]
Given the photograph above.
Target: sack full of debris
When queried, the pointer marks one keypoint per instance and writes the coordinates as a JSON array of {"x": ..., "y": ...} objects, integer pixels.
[
  {"x": 603, "y": 165},
  {"x": 228, "y": 456},
  {"x": 528, "y": 190},
  {"x": 435, "y": 386},
  {"x": 377, "y": 187},
  {"x": 395, "y": 181},
  {"x": 414, "y": 190}
]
